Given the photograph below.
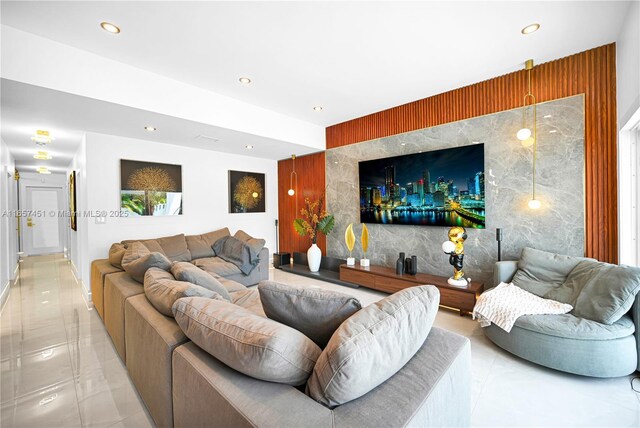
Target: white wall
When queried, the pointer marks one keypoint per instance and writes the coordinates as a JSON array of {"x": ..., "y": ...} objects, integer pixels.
[
  {"x": 8, "y": 222},
  {"x": 78, "y": 240},
  {"x": 628, "y": 65},
  {"x": 204, "y": 192}
]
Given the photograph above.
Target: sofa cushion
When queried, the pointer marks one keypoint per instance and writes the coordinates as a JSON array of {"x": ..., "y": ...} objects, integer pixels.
[
  {"x": 116, "y": 252},
  {"x": 372, "y": 345},
  {"x": 163, "y": 290},
  {"x": 230, "y": 284},
  {"x": 248, "y": 298},
  {"x": 572, "y": 327},
  {"x": 151, "y": 244},
  {"x": 184, "y": 271},
  {"x": 540, "y": 271},
  {"x": 217, "y": 266},
  {"x": 175, "y": 248},
  {"x": 137, "y": 259},
  {"x": 599, "y": 291},
  {"x": 253, "y": 345},
  {"x": 200, "y": 245},
  {"x": 313, "y": 311},
  {"x": 255, "y": 243}
]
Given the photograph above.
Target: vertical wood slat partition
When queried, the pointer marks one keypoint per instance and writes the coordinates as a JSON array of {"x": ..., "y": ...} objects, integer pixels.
[
  {"x": 311, "y": 184},
  {"x": 592, "y": 73}
]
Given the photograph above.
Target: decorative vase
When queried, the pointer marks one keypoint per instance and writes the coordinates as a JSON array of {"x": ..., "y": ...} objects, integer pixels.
[
  {"x": 314, "y": 256},
  {"x": 400, "y": 264}
]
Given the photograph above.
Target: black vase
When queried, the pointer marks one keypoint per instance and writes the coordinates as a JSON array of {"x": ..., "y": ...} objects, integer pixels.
[
  {"x": 400, "y": 264},
  {"x": 414, "y": 265},
  {"x": 407, "y": 265}
]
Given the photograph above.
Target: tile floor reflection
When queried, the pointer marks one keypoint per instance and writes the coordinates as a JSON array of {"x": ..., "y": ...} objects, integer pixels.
[{"x": 59, "y": 367}]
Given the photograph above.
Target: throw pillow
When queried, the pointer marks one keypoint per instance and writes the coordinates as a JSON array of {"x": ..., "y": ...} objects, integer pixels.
[
  {"x": 372, "y": 345},
  {"x": 116, "y": 252},
  {"x": 137, "y": 259},
  {"x": 253, "y": 345},
  {"x": 256, "y": 244},
  {"x": 313, "y": 311},
  {"x": 163, "y": 290},
  {"x": 541, "y": 271},
  {"x": 184, "y": 271},
  {"x": 598, "y": 291}
]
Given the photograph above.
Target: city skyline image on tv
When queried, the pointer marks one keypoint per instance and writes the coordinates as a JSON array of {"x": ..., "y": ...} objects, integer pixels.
[{"x": 435, "y": 188}]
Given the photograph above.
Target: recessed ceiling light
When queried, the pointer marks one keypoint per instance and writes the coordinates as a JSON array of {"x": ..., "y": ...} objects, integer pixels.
[
  {"x": 249, "y": 147},
  {"x": 403, "y": 144},
  {"x": 547, "y": 116},
  {"x": 150, "y": 128},
  {"x": 530, "y": 29},
  {"x": 553, "y": 131},
  {"x": 244, "y": 80},
  {"x": 317, "y": 108},
  {"x": 42, "y": 155},
  {"x": 111, "y": 28},
  {"x": 43, "y": 170}
]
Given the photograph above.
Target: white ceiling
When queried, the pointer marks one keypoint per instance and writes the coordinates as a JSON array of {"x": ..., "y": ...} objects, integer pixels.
[
  {"x": 26, "y": 108},
  {"x": 352, "y": 58}
]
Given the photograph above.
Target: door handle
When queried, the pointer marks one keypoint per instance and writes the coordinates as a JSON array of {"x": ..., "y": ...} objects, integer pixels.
[{"x": 29, "y": 224}]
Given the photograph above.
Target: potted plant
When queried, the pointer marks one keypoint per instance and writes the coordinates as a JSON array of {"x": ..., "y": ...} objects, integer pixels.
[{"x": 314, "y": 220}]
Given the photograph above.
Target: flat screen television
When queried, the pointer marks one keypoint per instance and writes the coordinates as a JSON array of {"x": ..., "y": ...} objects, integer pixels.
[{"x": 435, "y": 188}]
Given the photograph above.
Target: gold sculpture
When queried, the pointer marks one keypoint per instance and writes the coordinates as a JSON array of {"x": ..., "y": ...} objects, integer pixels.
[
  {"x": 455, "y": 248},
  {"x": 350, "y": 240}
]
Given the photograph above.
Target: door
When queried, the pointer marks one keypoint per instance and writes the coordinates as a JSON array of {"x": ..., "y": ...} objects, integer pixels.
[{"x": 43, "y": 229}]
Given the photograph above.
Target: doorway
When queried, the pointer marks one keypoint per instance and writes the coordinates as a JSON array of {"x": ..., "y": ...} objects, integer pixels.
[{"x": 42, "y": 224}]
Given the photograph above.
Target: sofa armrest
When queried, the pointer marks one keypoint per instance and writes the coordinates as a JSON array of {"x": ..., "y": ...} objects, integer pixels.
[
  {"x": 635, "y": 315},
  {"x": 504, "y": 271}
]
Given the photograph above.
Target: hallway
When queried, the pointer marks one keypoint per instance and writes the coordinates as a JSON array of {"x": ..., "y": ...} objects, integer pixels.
[{"x": 59, "y": 367}]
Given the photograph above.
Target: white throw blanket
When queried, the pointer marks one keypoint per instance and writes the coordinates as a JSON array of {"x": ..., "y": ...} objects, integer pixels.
[{"x": 506, "y": 303}]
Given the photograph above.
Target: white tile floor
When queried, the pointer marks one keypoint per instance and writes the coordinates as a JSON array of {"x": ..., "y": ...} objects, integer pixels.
[{"x": 59, "y": 367}]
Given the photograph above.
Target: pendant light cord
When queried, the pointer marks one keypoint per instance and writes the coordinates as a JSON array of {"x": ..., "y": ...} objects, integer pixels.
[{"x": 534, "y": 131}]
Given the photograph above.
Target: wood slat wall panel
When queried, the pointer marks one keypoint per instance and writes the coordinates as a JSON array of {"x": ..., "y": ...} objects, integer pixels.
[
  {"x": 592, "y": 73},
  {"x": 311, "y": 184}
]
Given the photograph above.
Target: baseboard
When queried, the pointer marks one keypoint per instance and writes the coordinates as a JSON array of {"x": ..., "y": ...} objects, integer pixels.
[
  {"x": 7, "y": 289},
  {"x": 5, "y": 295},
  {"x": 86, "y": 293}
]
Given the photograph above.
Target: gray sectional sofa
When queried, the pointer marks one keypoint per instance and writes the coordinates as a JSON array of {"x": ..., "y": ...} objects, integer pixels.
[
  {"x": 566, "y": 342},
  {"x": 184, "y": 386}
]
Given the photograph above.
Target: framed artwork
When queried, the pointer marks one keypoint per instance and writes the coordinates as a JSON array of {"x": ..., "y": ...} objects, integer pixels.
[
  {"x": 150, "y": 189},
  {"x": 72, "y": 201},
  {"x": 246, "y": 192}
]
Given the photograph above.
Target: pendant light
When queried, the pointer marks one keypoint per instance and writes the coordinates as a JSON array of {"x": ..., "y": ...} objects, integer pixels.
[
  {"x": 292, "y": 188},
  {"x": 528, "y": 136}
]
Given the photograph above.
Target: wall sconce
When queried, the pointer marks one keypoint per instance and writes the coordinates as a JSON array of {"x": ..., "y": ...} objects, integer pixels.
[
  {"x": 292, "y": 188},
  {"x": 528, "y": 136}
]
